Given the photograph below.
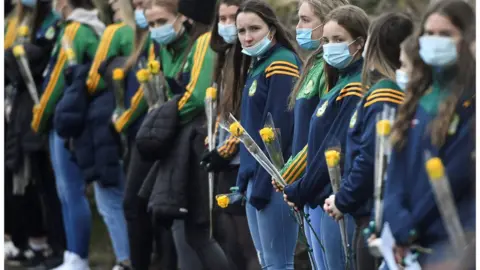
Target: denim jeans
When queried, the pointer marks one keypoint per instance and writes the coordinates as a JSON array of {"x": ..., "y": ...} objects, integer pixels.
[
  {"x": 316, "y": 221},
  {"x": 332, "y": 241},
  {"x": 75, "y": 207},
  {"x": 110, "y": 206},
  {"x": 274, "y": 232}
]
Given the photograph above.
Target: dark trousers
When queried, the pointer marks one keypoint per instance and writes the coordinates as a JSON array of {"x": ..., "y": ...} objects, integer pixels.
[
  {"x": 139, "y": 222},
  {"x": 231, "y": 228},
  {"x": 364, "y": 260},
  {"x": 37, "y": 212}
]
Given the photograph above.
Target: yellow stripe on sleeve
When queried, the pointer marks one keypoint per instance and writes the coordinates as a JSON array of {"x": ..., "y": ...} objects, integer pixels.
[
  {"x": 383, "y": 99},
  {"x": 70, "y": 33},
  {"x": 284, "y": 63},
  {"x": 102, "y": 52},
  {"x": 268, "y": 75},
  {"x": 283, "y": 68},
  {"x": 200, "y": 53},
  {"x": 123, "y": 119},
  {"x": 298, "y": 159},
  {"x": 386, "y": 92},
  {"x": 350, "y": 90},
  {"x": 11, "y": 34}
]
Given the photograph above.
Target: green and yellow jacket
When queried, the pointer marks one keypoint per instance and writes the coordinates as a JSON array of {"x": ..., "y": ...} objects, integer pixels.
[
  {"x": 84, "y": 42},
  {"x": 117, "y": 40}
]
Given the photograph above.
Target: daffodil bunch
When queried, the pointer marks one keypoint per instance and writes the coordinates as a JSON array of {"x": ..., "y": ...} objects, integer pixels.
[
  {"x": 233, "y": 198},
  {"x": 384, "y": 122},
  {"x": 119, "y": 91},
  {"x": 237, "y": 130},
  {"x": 23, "y": 32},
  {"x": 158, "y": 81},
  {"x": 22, "y": 62},
  {"x": 144, "y": 78},
  {"x": 446, "y": 203},
  {"x": 271, "y": 139}
]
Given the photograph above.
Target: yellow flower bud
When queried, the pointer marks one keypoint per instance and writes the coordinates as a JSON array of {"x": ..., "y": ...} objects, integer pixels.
[
  {"x": 118, "y": 74},
  {"x": 18, "y": 51},
  {"x": 211, "y": 93},
  {"x": 332, "y": 157},
  {"x": 70, "y": 54},
  {"x": 154, "y": 66},
  {"x": 435, "y": 168},
  {"x": 383, "y": 127},
  {"x": 223, "y": 201},
  {"x": 267, "y": 134},
  {"x": 236, "y": 129},
  {"x": 143, "y": 75},
  {"x": 23, "y": 31}
]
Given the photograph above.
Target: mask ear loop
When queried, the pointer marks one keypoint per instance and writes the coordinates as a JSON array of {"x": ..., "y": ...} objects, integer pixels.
[
  {"x": 313, "y": 29},
  {"x": 353, "y": 55}
]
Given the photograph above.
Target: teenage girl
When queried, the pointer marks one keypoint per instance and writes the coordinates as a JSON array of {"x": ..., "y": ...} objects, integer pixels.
[{"x": 344, "y": 36}]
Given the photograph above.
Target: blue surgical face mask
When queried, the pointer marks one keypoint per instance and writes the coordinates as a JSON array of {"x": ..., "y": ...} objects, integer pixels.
[
  {"x": 304, "y": 38},
  {"x": 140, "y": 19},
  {"x": 438, "y": 51},
  {"x": 228, "y": 32},
  {"x": 29, "y": 3},
  {"x": 337, "y": 55},
  {"x": 401, "y": 79},
  {"x": 259, "y": 48},
  {"x": 164, "y": 34}
]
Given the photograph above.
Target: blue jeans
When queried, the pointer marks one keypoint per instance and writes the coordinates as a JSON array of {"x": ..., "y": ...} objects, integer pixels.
[
  {"x": 316, "y": 220},
  {"x": 75, "y": 207},
  {"x": 274, "y": 232},
  {"x": 332, "y": 241}
]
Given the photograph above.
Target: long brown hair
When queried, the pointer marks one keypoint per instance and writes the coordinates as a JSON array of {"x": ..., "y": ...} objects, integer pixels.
[
  {"x": 223, "y": 71},
  {"x": 355, "y": 21},
  {"x": 462, "y": 16},
  {"x": 241, "y": 62},
  {"x": 320, "y": 8},
  {"x": 383, "y": 51}
]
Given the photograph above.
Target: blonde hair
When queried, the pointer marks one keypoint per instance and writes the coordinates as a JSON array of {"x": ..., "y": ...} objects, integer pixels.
[
  {"x": 320, "y": 8},
  {"x": 126, "y": 11}
]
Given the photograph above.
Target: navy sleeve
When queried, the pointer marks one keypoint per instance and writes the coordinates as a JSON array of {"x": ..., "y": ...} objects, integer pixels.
[
  {"x": 357, "y": 185},
  {"x": 398, "y": 215},
  {"x": 315, "y": 186}
]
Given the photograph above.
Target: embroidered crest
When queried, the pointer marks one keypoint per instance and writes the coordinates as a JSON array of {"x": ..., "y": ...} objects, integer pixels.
[
  {"x": 452, "y": 129},
  {"x": 322, "y": 109},
  {"x": 353, "y": 120},
  {"x": 253, "y": 88},
  {"x": 50, "y": 33}
]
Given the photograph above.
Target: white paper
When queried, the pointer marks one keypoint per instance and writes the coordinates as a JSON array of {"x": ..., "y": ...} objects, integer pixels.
[{"x": 387, "y": 245}]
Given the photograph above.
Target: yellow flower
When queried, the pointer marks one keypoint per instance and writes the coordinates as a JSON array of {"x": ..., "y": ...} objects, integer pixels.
[
  {"x": 18, "y": 51},
  {"x": 435, "y": 168},
  {"x": 223, "y": 201},
  {"x": 236, "y": 129},
  {"x": 154, "y": 66},
  {"x": 211, "y": 93},
  {"x": 23, "y": 31},
  {"x": 70, "y": 54},
  {"x": 332, "y": 157},
  {"x": 383, "y": 127},
  {"x": 143, "y": 75},
  {"x": 267, "y": 134},
  {"x": 118, "y": 74}
]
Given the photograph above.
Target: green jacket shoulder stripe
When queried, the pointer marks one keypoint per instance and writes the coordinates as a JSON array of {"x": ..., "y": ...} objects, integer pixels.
[{"x": 102, "y": 52}]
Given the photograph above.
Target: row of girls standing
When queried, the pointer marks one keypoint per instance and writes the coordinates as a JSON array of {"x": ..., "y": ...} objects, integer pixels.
[
  {"x": 362, "y": 71},
  {"x": 73, "y": 112}
]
